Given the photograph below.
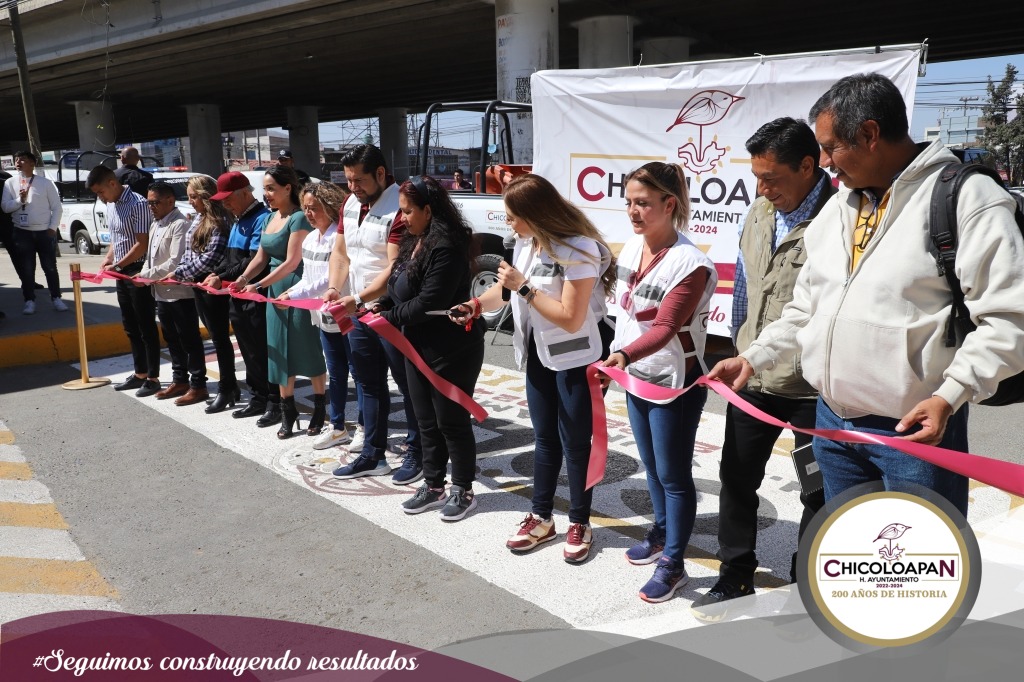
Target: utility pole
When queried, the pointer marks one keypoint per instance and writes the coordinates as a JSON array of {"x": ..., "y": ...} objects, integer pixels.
[
  {"x": 26, "y": 87},
  {"x": 965, "y": 100}
]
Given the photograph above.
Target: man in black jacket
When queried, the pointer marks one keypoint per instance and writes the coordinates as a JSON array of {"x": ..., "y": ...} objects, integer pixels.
[{"x": 130, "y": 174}]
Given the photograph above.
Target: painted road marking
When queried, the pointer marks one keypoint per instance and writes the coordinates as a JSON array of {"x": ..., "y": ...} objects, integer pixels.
[
  {"x": 602, "y": 593},
  {"x": 42, "y": 569}
]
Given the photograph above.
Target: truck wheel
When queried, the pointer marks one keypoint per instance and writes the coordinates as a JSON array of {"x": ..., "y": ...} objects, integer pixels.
[
  {"x": 485, "y": 277},
  {"x": 83, "y": 245}
]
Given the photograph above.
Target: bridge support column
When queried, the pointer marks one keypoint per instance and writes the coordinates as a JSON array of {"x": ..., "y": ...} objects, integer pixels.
[
  {"x": 527, "y": 41},
  {"x": 606, "y": 41},
  {"x": 206, "y": 149},
  {"x": 96, "y": 131},
  {"x": 304, "y": 138},
  {"x": 394, "y": 140}
]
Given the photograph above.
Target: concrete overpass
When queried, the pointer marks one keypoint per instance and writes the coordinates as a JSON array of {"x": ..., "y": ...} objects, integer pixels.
[{"x": 248, "y": 61}]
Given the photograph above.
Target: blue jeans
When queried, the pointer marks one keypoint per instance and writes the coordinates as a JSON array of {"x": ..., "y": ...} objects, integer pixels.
[
  {"x": 560, "y": 411},
  {"x": 844, "y": 465},
  {"x": 371, "y": 372},
  {"x": 336, "y": 352},
  {"x": 396, "y": 361},
  {"x": 665, "y": 436}
]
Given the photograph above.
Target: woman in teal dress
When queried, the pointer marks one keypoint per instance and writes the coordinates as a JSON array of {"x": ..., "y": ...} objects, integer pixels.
[{"x": 293, "y": 343}]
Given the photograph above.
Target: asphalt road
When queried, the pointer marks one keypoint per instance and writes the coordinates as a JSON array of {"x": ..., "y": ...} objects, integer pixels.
[{"x": 178, "y": 524}]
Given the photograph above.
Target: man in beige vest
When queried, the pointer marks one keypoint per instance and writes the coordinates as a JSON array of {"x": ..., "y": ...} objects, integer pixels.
[{"x": 792, "y": 189}]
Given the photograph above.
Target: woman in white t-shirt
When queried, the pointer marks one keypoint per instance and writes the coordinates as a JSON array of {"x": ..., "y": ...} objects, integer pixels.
[{"x": 559, "y": 306}]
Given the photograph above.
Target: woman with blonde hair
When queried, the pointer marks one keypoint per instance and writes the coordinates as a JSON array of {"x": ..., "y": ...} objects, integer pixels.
[
  {"x": 205, "y": 244},
  {"x": 562, "y": 275},
  {"x": 664, "y": 288}
]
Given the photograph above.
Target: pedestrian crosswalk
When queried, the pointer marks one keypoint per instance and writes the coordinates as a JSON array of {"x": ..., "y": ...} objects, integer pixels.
[
  {"x": 42, "y": 569},
  {"x": 600, "y": 594}
]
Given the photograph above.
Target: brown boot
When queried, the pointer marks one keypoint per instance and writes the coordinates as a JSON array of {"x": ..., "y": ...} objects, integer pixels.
[
  {"x": 172, "y": 390},
  {"x": 193, "y": 396}
]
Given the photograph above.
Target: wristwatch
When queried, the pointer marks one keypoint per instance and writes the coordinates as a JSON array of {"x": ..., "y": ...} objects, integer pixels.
[
  {"x": 359, "y": 301},
  {"x": 117, "y": 268},
  {"x": 525, "y": 290}
]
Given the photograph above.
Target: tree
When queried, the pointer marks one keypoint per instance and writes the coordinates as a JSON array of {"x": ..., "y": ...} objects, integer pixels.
[{"x": 1004, "y": 131}]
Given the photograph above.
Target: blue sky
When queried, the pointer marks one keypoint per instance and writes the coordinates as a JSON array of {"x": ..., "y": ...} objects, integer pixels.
[{"x": 946, "y": 82}]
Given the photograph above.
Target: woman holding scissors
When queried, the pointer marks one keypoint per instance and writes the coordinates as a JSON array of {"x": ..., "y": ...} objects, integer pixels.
[{"x": 431, "y": 275}]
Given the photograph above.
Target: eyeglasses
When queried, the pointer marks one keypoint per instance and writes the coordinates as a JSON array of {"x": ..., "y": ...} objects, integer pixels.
[
  {"x": 869, "y": 225},
  {"x": 155, "y": 203}
]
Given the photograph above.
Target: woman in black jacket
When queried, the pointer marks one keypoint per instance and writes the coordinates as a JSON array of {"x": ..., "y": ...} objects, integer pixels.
[{"x": 433, "y": 273}]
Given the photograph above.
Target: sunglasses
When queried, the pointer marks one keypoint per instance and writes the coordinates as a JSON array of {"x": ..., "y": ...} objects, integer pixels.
[{"x": 626, "y": 301}]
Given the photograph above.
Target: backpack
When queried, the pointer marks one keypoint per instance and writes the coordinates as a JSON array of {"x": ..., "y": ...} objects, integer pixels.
[{"x": 942, "y": 228}]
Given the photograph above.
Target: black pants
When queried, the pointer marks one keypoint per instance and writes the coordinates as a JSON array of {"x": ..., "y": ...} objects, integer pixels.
[
  {"x": 180, "y": 325},
  {"x": 138, "y": 317},
  {"x": 748, "y": 445},
  {"x": 445, "y": 428},
  {"x": 249, "y": 320},
  {"x": 213, "y": 311},
  {"x": 27, "y": 245}
]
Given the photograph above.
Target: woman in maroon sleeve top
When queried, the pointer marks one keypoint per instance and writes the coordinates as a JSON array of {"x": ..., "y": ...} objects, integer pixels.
[{"x": 664, "y": 287}]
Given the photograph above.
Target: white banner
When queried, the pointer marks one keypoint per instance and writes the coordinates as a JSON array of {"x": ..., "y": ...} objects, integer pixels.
[{"x": 593, "y": 126}]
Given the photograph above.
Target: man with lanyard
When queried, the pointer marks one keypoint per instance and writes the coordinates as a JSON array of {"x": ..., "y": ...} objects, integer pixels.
[
  {"x": 372, "y": 226},
  {"x": 128, "y": 219},
  {"x": 248, "y": 318},
  {"x": 869, "y": 311},
  {"x": 792, "y": 190},
  {"x": 35, "y": 206},
  {"x": 130, "y": 174}
]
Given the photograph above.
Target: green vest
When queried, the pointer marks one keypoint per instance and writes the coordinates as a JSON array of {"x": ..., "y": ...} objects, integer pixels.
[{"x": 771, "y": 276}]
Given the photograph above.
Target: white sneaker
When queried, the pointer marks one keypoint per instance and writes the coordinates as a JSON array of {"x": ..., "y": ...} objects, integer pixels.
[
  {"x": 29, "y": 309},
  {"x": 356, "y": 444},
  {"x": 59, "y": 305},
  {"x": 331, "y": 437}
]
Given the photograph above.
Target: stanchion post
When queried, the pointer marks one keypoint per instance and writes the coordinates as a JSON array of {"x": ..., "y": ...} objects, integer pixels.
[{"x": 85, "y": 381}]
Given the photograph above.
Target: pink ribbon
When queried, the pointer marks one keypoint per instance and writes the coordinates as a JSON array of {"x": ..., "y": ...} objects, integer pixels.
[
  {"x": 341, "y": 317},
  {"x": 996, "y": 473},
  {"x": 343, "y": 320},
  {"x": 443, "y": 386}
]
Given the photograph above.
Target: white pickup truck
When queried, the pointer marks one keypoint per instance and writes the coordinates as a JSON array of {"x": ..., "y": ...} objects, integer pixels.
[
  {"x": 484, "y": 211},
  {"x": 83, "y": 222}
]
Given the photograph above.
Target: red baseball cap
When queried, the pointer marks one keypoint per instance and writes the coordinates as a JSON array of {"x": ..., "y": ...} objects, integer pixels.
[{"x": 228, "y": 183}]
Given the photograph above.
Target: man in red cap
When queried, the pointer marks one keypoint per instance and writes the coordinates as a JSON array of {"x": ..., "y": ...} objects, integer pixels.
[{"x": 248, "y": 318}]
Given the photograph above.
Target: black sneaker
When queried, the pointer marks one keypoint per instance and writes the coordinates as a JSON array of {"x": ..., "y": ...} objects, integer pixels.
[
  {"x": 714, "y": 606},
  {"x": 425, "y": 498},
  {"x": 460, "y": 503},
  {"x": 364, "y": 465}
]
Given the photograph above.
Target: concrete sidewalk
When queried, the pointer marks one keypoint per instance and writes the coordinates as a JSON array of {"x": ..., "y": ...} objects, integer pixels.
[{"x": 49, "y": 336}]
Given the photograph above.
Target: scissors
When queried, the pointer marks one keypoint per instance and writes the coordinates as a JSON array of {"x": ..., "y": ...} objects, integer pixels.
[{"x": 449, "y": 312}]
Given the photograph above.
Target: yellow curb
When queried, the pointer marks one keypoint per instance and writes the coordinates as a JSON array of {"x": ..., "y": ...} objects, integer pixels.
[
  {"x": 6, "y": 437},
  {"x": 52, "y": 576},
  {"x": 61, "y": 345}
]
